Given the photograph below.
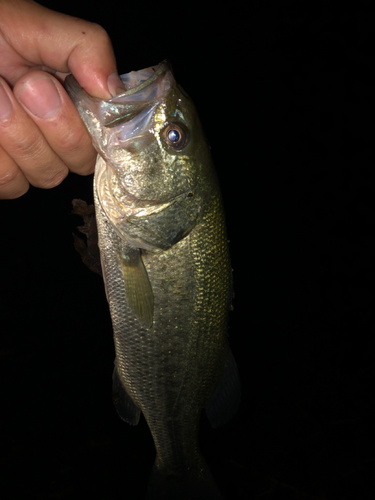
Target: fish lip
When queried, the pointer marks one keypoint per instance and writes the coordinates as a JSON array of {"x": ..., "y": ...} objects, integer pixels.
[
  {"x": 161, "y": 68},
  {"x": 77, "y": 93},
  {"x": 74, "y": 89},
  {"x": 144, "y": 93},
  {"x": 120, "y": 100},
  {"x": 145, "y": 88}
]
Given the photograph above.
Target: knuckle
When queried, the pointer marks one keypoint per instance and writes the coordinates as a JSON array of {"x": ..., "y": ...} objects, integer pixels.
[
  {"x": 11, "y": 193},
  {"x": 8, "y": 176},
  {"x": 96, "y": 35},
  {"x": 89, "y": 166},
  {"x": 99, "y": 34},
  {"x": 30, "y": 146},
  {"x": 75, "y": 147},
  {"x": 13, "y": 184},
  {"x": 52, "y": 178},
  {"x": 72, "y": 140}
]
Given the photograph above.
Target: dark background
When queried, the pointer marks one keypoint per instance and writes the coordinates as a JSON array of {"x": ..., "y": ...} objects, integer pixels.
[{"x": 285, "y": 94}]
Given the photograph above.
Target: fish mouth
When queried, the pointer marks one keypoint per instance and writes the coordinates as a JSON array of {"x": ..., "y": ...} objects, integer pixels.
[
  {"x": 134, "y": 81},
  {"x": 138, "y": 80},
  {"x": 124, "y": 126},
  {"x": 143, "y": 90},
  {"x": 139, "y": 87},
  {"x": 120, "y": 127},
  {"x": 113, "y": 124}
]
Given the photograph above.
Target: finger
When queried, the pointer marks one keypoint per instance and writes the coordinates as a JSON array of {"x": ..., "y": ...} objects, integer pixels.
[
  {"x": 49, "y": 106},
  {"x": 13, "y": 183},
  {"x": 25, "y": 144},
  {"x": 62, "y": 42}
]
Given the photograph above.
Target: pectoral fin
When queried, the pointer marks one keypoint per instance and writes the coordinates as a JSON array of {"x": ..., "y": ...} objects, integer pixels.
[
  {"x": 225, "y": 399},
  {"x": 138, "y": 290}
]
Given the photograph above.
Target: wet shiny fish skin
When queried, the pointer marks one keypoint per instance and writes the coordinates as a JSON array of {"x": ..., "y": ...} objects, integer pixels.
[{"x": 167, "y": 271}]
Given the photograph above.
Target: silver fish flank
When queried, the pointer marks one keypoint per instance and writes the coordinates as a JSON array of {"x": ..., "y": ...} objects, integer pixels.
[{"x": 167, "y": 271}]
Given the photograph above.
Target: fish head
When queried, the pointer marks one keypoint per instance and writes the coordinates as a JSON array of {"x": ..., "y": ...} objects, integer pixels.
[{"x": 151, "y": 179}]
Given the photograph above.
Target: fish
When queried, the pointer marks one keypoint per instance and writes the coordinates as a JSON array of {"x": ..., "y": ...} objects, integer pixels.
[{"x": 167, "y": 271}]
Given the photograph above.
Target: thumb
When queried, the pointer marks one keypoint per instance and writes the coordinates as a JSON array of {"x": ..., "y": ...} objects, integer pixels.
[{"x": 63, "y": 43}]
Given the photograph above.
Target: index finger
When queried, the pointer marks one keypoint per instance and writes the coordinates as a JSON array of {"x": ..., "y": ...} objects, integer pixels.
[{"x": 64, "y": 43}]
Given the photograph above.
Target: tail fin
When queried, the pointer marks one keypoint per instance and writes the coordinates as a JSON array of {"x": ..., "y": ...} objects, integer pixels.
[{"x": 192, "y": 484}]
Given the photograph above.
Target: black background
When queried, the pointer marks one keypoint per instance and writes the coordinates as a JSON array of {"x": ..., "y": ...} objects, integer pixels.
[{"x": 285, "y": 94}]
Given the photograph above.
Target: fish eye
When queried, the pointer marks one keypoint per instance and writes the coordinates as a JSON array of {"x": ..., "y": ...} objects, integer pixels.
[{"x": 175, "y": 136}]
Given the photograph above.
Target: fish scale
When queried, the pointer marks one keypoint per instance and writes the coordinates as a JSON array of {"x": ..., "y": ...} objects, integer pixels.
[
  {"x": 166, "y": 266},
  {"x": 192, "y": 280}
]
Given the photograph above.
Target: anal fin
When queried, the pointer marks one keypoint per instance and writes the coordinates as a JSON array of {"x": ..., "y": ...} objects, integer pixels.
[
  {"x": 225, "y": 398},
  {"x": 125, "y": 406}
]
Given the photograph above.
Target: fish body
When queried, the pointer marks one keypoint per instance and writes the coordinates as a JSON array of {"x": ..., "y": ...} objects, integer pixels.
[{"x": 167, "y": 271}]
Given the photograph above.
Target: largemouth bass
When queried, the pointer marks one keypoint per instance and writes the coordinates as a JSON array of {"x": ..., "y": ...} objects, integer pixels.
[{"x": 167, "y": 271}]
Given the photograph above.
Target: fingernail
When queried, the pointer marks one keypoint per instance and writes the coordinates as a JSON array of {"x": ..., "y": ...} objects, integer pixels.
[
  {"x": 40, "y": 97},
  {"x": 5, "y": 104},
  {"x": 115, "y": 84}
]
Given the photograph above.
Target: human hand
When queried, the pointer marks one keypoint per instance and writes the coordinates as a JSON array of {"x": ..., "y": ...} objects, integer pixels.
[{"x": 42, "y": 137}]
